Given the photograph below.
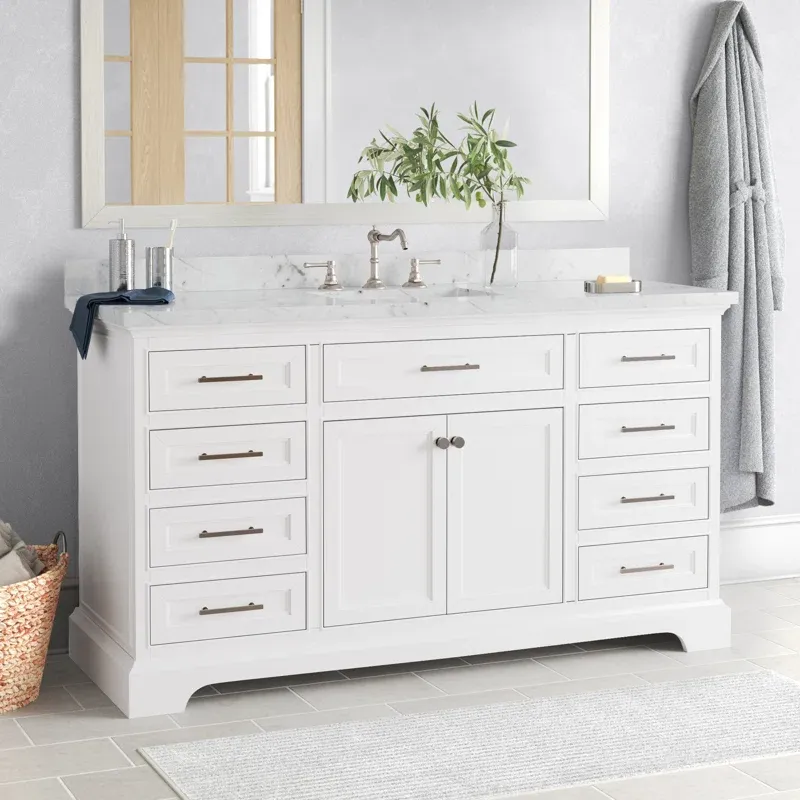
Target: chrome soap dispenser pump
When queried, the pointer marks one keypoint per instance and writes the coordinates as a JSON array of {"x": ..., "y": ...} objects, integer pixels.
[{"x": 121, "y": 261}]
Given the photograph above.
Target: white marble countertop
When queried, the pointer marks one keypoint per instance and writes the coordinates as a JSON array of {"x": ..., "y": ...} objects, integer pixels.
[{"x": 283, "y": 307}]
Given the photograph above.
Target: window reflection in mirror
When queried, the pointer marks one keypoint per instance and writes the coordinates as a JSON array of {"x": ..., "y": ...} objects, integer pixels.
[{"x": 202, "y": 101}]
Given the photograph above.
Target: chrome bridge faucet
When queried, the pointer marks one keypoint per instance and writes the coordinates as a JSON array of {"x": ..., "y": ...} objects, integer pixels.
[{"x": 375, "y": 238}]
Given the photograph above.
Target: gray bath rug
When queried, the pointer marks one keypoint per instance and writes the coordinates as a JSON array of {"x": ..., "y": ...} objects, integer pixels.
[{"x": 498, "y": 751}]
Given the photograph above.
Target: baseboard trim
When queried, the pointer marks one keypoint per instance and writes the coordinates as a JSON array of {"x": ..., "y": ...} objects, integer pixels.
[{"x": 760, "y": 548}]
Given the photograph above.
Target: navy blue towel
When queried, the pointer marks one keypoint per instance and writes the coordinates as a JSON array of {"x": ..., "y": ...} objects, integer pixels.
[{"x": 86, "y": 310}]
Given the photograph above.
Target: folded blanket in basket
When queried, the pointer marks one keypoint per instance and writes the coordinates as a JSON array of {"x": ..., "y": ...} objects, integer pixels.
[
  {"x": 17, "y": 562},
  {"x": 86, "y": 310}
]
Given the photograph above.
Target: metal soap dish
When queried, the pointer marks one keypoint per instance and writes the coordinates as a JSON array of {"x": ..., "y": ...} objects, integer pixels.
[{"x": 593, "y": 287}]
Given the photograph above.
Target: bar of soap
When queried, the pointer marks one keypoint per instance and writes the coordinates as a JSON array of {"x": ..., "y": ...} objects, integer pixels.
[{"x": 601, "y": 279}]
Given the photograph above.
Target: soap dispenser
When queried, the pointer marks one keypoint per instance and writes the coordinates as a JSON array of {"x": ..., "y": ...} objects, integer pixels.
[{"x": 121, "y": 261}]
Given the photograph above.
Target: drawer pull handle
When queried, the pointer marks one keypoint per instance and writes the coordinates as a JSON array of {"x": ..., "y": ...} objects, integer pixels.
[
  {"x": 660, "y": 499},
  {"x": 648, "y": 429},
  {"x": 662, "y": 567},
  {"x": 443, "y": 443},
  {"x": 226, "y": 456},
  {"x": 223, "y": 534},
  {"x": 231, "y": 379},
  {"x": 455, "y": 368},
  {"x": 633, "y": 359},
  {"x": 459, "y": 442},
  {"x": 210, "y": 612}
]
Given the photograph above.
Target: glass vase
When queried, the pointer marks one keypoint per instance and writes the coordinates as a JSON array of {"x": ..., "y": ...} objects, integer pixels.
[{"x": 499, "y": 246}]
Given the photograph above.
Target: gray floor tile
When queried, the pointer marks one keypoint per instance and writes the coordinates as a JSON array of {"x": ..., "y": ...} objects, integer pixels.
[
  {"x": 135, "y": 783},
  {"x": 484, "y": 677},
  {"x": 246, "y": 705},
  {"x": 778, "y": 773},
  {"x": 95, "y": 724},
  {"x": 693, "y": 673},
  {"x": 49, "y": 789},
  {"x": 366, "y": 691},
  {"x": 788, "y": 613},
  {"x": 32, "y": 763},
  {"x": 89, "y": 696},
  {"x": 581, "y": 793},
  {"x": 788, "y": 637},
  {"x": 710, "y": 783},
  {"x": 778, "y": 796},
  {"x": 753, "y": 596},
  {"x": 399, "y": 669},
  {"x": 785, "y": 665},
  {"x": 11, "y": 735},
  {"x": 743, "y": 645},
  {"x": 790, "y": 589},
  {"x": 748, "y": 620},
  {"x": 61, "y": 670},
  {"x": 316, "y": 718},
  {"x": 458, "y": 701},
  {"x": 608, "y": 662},
  {"x": 51, "y": 700},
  {"x": 132, "y": 743},
  {"x": 581, "y": 687},
  {"x": 276, "y": 683},
  {"x": 521, "y": 655}
]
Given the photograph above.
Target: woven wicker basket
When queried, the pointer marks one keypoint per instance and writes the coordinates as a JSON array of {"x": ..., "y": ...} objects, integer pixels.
[{"x": 27, "y": 610}]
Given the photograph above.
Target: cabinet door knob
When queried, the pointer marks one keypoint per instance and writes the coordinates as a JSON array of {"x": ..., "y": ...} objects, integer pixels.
[
  {"x": 442, "y": 443},
  {"x": 458, "y": 442}
]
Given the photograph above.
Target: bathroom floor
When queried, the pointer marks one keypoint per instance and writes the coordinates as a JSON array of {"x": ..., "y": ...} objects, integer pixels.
[{"x": 73, "y": 743}]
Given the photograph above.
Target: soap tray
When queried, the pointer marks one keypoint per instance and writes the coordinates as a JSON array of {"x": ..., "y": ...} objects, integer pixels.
[{"x": 593, "y": 287}]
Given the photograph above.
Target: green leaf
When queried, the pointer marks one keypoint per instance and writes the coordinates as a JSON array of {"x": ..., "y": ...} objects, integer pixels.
[{"x": 505, "y": 143}]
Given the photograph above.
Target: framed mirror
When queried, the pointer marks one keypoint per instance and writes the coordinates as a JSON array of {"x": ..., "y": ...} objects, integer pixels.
[{"x": 254, "y": 112}]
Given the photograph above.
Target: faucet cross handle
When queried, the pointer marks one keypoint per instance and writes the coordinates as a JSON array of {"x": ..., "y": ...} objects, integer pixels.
[
  {"x": 331, "y": 283},
  {"x": 415, "y": 278}
]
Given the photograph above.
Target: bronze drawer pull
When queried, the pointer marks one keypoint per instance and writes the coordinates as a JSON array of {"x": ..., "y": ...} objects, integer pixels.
[
  {"x": 231, "y": 379},
  {"x": 648, "y": 429},
  {"x": 456, "y": 368},
  {"x": 632, "y": 359},
  {"x": 210, "y": 612},
  {"x": 662, "y": 567},
  {"x": 223, "y": 534},
  {"x": 227, "y": 456},
  {"x": 658, "y": 499}
]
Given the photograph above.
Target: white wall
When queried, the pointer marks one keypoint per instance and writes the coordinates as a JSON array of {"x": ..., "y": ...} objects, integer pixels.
[{"x": 657, "y": 47}]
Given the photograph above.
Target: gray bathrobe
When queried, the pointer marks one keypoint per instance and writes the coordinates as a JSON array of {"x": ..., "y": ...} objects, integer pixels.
[{"x": 737, "y": 244}]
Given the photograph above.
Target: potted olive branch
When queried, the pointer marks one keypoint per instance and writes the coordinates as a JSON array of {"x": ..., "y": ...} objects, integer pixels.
[{"x": 428, "y": 165}]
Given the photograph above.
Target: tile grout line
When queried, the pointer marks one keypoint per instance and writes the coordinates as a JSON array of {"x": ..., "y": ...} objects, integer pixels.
[
  {"x": 24, "y": 733},
  {"x": 772, "y": 789},
  {"x": 81, "y": 705},
  {"x": 432, "y": 685},
  {"x": 123, "y": 753},
  {"x": 302, "y": 699},
  {"x": 66, "y": 788}
]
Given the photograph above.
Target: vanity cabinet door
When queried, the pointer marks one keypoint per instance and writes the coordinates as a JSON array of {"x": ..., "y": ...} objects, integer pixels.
[
  {"x": 504, "y": 510},
  {"x": 385, "y": 520}
]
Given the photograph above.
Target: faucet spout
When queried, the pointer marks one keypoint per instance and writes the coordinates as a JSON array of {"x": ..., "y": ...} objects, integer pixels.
[{"x": 375, "y": 237}]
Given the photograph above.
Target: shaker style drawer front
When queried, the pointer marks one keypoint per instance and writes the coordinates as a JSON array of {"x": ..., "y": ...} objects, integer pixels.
[
  {"x": 250, "y": 376},
  {"x": 218, "y": 456},
  {"x": 645, "y": 428},
  {"x": 227, "y": 532},
  {"x": 389, "y": 370},
  {"x": 193, "y": 612},
  {"x": 642, "y": 498},
  {"x": 644, "y": 357},
  {"x": 620, "y": 570}
]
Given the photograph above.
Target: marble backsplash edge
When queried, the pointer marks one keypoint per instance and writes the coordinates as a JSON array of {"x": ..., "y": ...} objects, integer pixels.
[{"x": 262, "y": 273}]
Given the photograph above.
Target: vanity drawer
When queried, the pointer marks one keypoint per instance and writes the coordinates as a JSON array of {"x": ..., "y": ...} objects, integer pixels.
[
  {"x": 227, "y": 532},
  {"x": 644, "y": 428},
  {"x": 620, "y": 570},
  {"x": 644, "y": 357},
  {"x": 181, "y": 380},
  {"x": 217, "y": 456},
  {"x": 642, "y": 498},
  {"x": 193, "y": 612},
  {"x": 390, "y": 370}
]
